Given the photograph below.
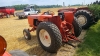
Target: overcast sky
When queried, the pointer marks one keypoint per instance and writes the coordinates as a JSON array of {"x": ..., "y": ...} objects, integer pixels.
[{"x": 43, "y": 2}]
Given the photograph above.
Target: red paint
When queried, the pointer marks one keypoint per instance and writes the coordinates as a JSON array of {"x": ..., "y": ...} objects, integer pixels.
[
  {"x": 7, "y": 10},
  {"x": 6, "y": 54},
  {"x": 3, "y": 45},
  {"x": 74, "y": 10},
  {"x": 46, "y": 37}
]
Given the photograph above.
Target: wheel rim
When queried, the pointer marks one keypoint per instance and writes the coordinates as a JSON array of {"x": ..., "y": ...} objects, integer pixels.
[
  {"x": 45, "y": 38},
  {"x": 82, "y": 20},
  {"x": 25, "y": 35}
]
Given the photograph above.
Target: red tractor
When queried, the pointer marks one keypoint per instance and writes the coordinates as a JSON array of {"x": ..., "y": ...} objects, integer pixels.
[
  {"x": 84, "y": 16},
  {"x": 52, "y": 29},
  {"x": 6, "y": 11}
]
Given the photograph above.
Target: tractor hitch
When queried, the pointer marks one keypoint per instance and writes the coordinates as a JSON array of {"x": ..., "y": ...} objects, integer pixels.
[{"x": 68, "y": 32}]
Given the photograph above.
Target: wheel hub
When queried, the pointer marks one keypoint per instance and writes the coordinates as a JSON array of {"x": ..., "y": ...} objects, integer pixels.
[
  {"x": 45, "y": 38},
  {"x": 82, "y": 20}
]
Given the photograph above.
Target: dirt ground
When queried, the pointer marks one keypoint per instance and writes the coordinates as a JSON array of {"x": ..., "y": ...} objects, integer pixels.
[{"x": 12, "y": 30}]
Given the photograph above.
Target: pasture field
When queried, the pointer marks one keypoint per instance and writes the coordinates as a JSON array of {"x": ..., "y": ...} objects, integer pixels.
[{"x": 12, "y": 30}]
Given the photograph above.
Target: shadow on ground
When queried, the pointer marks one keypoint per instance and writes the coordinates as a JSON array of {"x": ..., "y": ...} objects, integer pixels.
[
  {"x": 39, "y": 52},
  {"x": 65, "y": 50},
  {"x": 37, "y": 49},
  {"x": 31, "y": 42},
  {"x": 20, "y": 19}
]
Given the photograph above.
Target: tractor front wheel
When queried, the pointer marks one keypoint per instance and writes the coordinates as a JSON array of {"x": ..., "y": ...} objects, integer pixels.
[
  {"x": 49, "y": 36},
  {"x": 26, "y": 34}
]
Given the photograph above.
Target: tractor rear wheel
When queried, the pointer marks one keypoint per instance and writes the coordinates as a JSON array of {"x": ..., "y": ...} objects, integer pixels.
[
  {"x": 49, "y": 36},
  {"x": 84, "y": 18},
  {"x": 77, "y": 27}
]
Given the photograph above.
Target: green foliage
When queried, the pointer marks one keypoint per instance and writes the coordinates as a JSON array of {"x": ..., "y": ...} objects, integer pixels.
[
  {"x": 91, "y": 44},
  {"x": 77, "y": 5},
  {"x": 96, "y": 2},
  {"x": 22, "y": 6},
  {"x": 95, "y": 8},
  {"x": 19, "y": 7}
]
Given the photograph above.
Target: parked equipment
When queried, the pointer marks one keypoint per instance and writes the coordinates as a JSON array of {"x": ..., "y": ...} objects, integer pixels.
[
  {"x": 52, "y": 29},
  {"x": 29, "y": 10},
  {"x": 84, "y": 15},
  {"x": 6, "y": 11}
]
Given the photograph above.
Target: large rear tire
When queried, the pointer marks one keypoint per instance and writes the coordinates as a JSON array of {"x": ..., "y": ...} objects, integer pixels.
[
  {"x": 84, "y": 18},
  {"x": 77, "y": 27},
  {"x": 49, "y": 36}
]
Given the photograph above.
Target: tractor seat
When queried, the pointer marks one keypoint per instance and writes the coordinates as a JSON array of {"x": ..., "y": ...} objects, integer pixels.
[{"x": 61, "y": 14}]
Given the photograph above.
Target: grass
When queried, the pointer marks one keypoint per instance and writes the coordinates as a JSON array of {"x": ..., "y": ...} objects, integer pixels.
[{"x": 91, "y": 44}]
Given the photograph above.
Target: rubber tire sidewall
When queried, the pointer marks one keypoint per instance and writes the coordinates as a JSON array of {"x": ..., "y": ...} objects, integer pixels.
[
  {"x": 28, "y": 34},
  {"x": 55, "y": 35},
  {"x": 77, "y": 27},
  {"x": 88, "y": 18}
]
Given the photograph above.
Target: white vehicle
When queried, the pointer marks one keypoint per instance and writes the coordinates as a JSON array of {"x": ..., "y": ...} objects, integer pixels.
[{"x": 26, "y": 12}]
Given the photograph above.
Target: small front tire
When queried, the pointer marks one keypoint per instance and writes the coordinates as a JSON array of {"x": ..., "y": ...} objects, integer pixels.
[{"x": 26, "y": 34}]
